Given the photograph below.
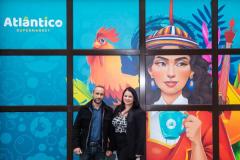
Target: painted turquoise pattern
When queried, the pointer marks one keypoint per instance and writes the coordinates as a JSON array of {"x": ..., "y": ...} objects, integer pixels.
[
  {"x": 33, "y": 80},
  {"x": 33, "y": 135},
  {"x": 122, "y": 15}
]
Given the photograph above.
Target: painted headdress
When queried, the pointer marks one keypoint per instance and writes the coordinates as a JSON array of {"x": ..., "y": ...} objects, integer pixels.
[{"x": 170, "y": 36}]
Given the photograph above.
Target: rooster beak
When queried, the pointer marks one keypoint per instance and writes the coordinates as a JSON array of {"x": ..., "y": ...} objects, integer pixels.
[{"x": 96, "y": 45}]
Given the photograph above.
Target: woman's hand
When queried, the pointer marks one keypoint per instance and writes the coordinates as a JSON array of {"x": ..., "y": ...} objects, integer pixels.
[
  {"x": 108, "y": 153},
  {"x": 193, "y": 129},
  {"x": 193, "y": 133}
]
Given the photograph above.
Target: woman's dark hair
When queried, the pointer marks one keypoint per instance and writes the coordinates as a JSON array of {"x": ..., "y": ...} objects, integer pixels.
[
  {"x": 136, "y": 104},
  {"x": 202, "y": 93}
]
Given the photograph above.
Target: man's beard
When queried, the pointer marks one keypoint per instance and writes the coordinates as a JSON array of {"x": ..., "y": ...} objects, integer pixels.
[{"x": 97, "y": 101}]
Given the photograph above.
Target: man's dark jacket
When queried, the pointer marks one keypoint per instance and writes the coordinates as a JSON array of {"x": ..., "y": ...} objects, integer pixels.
[{"x": 82, "y": 127}]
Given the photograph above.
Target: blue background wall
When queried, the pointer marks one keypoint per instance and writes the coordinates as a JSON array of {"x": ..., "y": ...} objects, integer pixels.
[
  {"x": 33, "y": 135},
  {"x": 41, "y": 80},
  {"x": 33, "y": 80},
  {"x": 53, "y": 38}
]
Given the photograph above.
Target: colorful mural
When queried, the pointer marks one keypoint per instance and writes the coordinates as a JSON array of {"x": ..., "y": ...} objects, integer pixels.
[
  {"x": 37, "y": 80},
  {"x": 90, "y": 71},
  {"x": 178, "y": 79},
  {"x": 228, "y": 11},
  {"x": 120, "y": 15},
  {"x": 229, "y": 79},
  {"x": 167, "y": 24},
  {"x": 171, "y": 135},
  {"x": 230, "y": 120}
]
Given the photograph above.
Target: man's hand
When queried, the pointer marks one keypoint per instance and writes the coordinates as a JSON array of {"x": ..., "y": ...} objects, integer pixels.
[
  {"x": 108, "y": 153},
  {"x": 138, "y": 157},
  {"x": 77, "y": 151}
]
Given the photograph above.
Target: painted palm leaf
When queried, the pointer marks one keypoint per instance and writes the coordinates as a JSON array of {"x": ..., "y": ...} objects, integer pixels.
[
  {"x": 205, "y": 16},
  {"x": 236, "y": 150},
  {"x": 207, "y": 12},
  {"x": 81, "y": 92}
]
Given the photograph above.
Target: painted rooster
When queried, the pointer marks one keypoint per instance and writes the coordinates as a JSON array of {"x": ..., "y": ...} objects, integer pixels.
[
  {"x": 104, "y": 36},
  {"x": 106, "y": 70}
]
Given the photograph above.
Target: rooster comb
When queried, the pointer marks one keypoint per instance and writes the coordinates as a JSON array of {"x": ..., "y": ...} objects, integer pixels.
[{"x": 109, "y": 33}]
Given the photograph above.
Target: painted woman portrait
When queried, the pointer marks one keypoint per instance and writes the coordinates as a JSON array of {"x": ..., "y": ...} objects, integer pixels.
[
  {"x": 183, "y": 80},
  {"x": 176, "y": 79},
  {"x": 180, "y": 80}
]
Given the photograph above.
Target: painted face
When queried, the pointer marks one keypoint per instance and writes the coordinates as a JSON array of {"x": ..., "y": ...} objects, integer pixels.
[
  {"x": 98, "y": 95},
  {"x": 128, "y": 98},
  {"x": 171, "y": 73}
]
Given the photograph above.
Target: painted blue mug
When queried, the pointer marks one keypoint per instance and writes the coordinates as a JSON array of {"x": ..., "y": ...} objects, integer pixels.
[{"x": 171, "y": 124}]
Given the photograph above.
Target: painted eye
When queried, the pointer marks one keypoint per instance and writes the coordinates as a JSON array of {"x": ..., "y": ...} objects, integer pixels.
[
  {"x": 160, "y": 64},
  {"x": 181, "y": 64},
  {"x": 101, "y": 41}
]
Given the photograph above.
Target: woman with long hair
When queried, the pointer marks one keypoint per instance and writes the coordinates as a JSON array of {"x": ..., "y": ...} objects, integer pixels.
[{"x": 129, "y": 127}]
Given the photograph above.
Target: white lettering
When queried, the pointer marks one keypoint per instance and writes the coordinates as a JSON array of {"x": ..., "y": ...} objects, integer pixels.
[
  {"x": 7, "y": 22},
  {"x": 34, "y": 23},
  {"x": 41, "y": 22},
  {"x": 58, "y": 23},
  {"x": 45, "y": 22},
  {"x": 20, "y": 22},
  {"x": 51, "y": 23},
  {"x": 25, "y": 22},
  {"x": 15, "y": 21}
]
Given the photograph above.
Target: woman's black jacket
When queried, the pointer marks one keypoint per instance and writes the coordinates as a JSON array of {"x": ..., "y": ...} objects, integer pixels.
[
  {"x": 136, "y": 131},
  {"x": 81, "y": 127}
]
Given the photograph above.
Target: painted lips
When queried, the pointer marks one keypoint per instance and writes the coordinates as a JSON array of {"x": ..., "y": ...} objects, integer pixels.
[{"x": 171, "y": 84}]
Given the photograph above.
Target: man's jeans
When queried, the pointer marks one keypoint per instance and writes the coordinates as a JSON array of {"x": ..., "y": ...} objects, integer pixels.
[{"x": 93, "y": 152}]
